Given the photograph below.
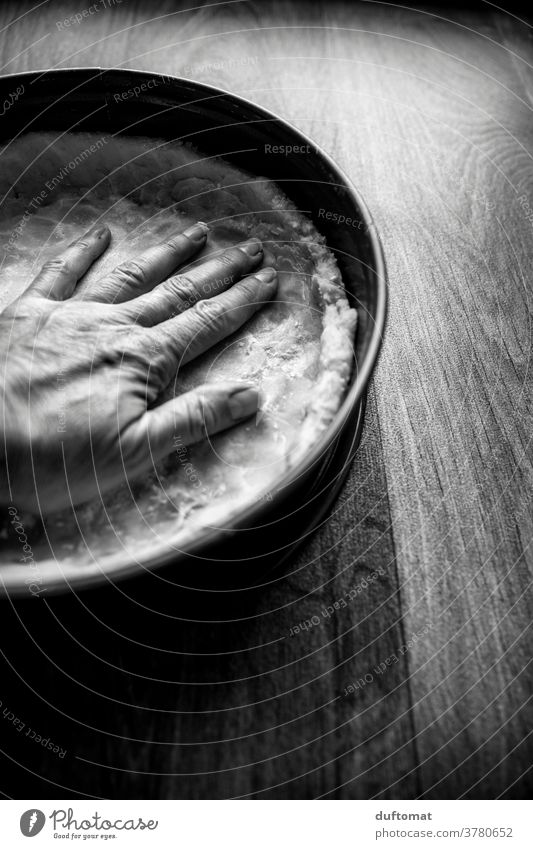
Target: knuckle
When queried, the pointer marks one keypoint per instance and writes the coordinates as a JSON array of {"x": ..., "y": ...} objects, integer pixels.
[
  {"x": 211, "y": 312},
  {"x": 159, "y": 352},
  {"x": 250, "y": 289},
  {"x": 59, "y": 265},
  {"x": 181, "y": 291},
  {"x": 202, "y": 416},
  {"x": 132, "y": 272},
  {"x": 153, "y": 347},
  {"x": 170, "y": 244},
  {"x": 232, "y": 257},
  {"x": 134, "y": 341},
  {"x": 186, "y": 290}
]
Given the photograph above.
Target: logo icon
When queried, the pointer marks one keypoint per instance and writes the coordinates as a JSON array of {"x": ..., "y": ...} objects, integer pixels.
[{"x": 32, "y": 822}]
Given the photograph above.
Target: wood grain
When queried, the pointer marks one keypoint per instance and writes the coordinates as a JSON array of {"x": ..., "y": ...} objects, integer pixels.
[{"x": 431, "y": 118}]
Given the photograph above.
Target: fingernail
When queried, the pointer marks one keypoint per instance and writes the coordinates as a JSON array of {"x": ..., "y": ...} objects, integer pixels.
[
  {"x": 243, "y": 403},
  {"x": 266, "y": 275},
  {"x": 252, "y": 248},
  {"x": 197, "y": 232}
]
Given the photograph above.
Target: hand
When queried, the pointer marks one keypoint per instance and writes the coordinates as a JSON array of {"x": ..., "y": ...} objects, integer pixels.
[{"x": 82, "y": 369}]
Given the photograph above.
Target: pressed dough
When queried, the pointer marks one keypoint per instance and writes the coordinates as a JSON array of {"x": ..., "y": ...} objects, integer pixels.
[{"x": 298, "y": 349}]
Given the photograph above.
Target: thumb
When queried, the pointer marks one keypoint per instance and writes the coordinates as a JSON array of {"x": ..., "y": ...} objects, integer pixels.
[{"x": 196, "y": 414}]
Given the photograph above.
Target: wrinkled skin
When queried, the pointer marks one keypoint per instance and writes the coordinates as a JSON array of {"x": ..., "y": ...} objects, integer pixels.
[{"x": 83, "y": 368}]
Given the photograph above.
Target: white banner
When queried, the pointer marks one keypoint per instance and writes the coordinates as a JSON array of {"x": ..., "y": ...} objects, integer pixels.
[{"x": 266, "y": 824}]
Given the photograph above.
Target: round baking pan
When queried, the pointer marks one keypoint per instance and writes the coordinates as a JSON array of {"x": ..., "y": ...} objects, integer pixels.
[{"x": 135, "y": 103}]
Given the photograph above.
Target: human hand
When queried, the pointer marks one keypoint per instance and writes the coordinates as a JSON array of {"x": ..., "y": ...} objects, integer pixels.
[{"x": 83, "y": 368}]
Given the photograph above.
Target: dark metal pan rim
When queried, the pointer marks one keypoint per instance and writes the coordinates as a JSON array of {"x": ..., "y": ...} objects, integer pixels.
[{"x": 119, "y": 566}]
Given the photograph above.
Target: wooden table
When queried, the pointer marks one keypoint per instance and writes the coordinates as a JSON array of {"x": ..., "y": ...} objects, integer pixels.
[{"x": 426, "y": 560}]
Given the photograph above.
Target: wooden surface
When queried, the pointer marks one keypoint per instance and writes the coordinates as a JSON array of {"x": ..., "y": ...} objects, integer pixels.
[{"x": 432, "y": 120}]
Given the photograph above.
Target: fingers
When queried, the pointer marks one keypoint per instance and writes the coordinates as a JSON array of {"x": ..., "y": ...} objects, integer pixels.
[
  {"x": 58, "y": 277},
  {"x": 181, "y": 292},
  {"x": 181, "y": 339},
  {"x": 140, "y": 274},
  {"x": 191, "y": 417}
]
